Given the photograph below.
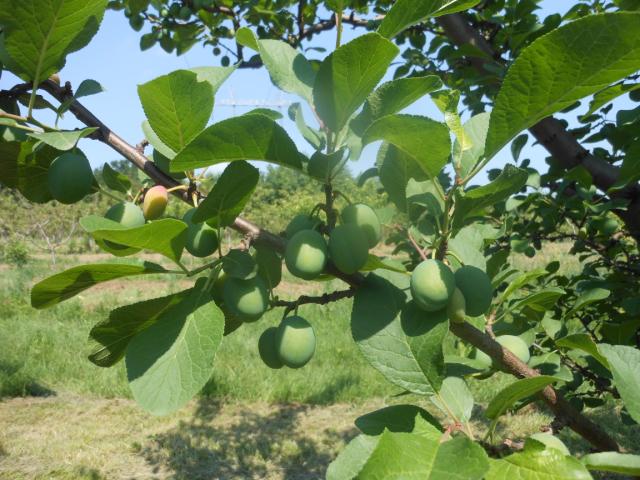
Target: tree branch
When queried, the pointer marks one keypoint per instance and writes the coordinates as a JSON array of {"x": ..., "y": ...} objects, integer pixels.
[{"x": 318, "y": 300}]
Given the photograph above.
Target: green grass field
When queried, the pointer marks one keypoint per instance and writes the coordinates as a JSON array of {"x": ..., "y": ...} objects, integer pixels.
[{"x": 62, "y": 417}]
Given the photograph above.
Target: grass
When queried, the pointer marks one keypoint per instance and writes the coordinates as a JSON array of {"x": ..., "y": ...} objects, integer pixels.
[{"x": 64, "y": 418}]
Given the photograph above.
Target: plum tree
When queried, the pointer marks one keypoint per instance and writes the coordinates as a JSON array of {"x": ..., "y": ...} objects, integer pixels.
[
  {"x": 349, "y": 248},
  {"x": 295, "y": 341},
  {"x": 456, "y": 308},
  {"x": 432, "y": 284},
  {"x": 364, "y": 217},
  {"x": 268, "y": 350},
  {"x": 202, "y": 239},
  {"x": 301, "y": 222},
  {"x": 70, "y": 178},
  {"x": 476, "y": 287},
  {"x": 248, "y": 299},
  {"x": 306, "y": 254},
  {"x": 551, "y": 441},
  {"x": 155, "y": 202}
]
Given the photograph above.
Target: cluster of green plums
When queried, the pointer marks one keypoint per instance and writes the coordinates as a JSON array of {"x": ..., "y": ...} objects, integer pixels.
[
  {"x": 308, "y": 253},
  {"x": 291, "y": 344},
  {"x": 467, "y": 292}
]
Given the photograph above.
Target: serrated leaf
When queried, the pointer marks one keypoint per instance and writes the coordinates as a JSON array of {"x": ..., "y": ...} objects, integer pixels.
[
  {"x": 229, "y": 195},
  {"x": 401, "y": 341},
  {"x": 247, "y": 137},
  {"x": 314, "y": 137},
  {"x": 421, "y": 139},
  {"x": 406, "y": 13},
  {"x": 558, "y": 69},
  {"x": 39, "y": 34},
  {"x": 63, "y": 140},
  {"x": 588, "y": 297},
  {"x": 584, "y": 342},
  {"x": 178, "y": 107},
  {"x": 474, "y": 201},
  {"x": 476, "y": 131},
  {"x": 155, "y": 141},
  {"x": 537, "y": 462},
  {"x": 166, "y": 236},
  {"x": 540, "y": 301},
  {"x": 64, "y": 285},
  {"x": 117, "y": 181},
  {"x": 111, "y": 336},
  {"x": 518, "y": 390},
  {"x": 348, "y": 75},
  {"x": 288, "y": 68},
  {"x": 623, "y": 463},
  {"x": 455, "y": 399},
  {"x": 624, "y": 363},
  {"x": 170, "y": 361},
  {"x": 396, "y": 418},
  {"x": 325, "y": 167},
  {"x": 214, "y": 76}
]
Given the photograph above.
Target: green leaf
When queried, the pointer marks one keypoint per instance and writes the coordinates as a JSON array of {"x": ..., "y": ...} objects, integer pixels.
[
  {"x": 326, "y": 167},
  {"x": 518, "y": 390},
  {"x": 476, "y": 132},
  {"x": 426, "y": 453},
  {"x": 447, "y": 101},
  {"x": 269, "y": 266},
  {"x": 247, "y": 137},
  {"x": 314, "y": 137},
  {"x": 556, "y": 70},
  {"x": 239, "y": 264},
  {"x": 267, "y": 112},
  {"x": 63, "y": 140},
  {"x": 214, "y": 76},
  {"x": 88, "y": 87},
  {"x": 348, "y": 75},
  {"x": 178, "y": 107},
  {"x": 117, "y": 181},
  {"x": 584, "y": 342},
  {"x": 623, "y": 463},
  {"x": 64, "y": 285},
  {"x": 540, "y": 301},
  {"x": 624, "y": 363},
  {"x": 401, "y": 341},
  {"x": 537, "y": 462},
  {"x": 246, "y": 37},
  {"x": 39, "y": 34},
  {"x": 588, "y": 297},
  {"x": 474, "y": 201},
  {"x": 395, "y": 170},
  {"x": 155, "y": 141},
  {"x": 455, "y": 399},
  {"x": 170, "y": 361},
  {"x": 229, "y": 195},
  {"x": 406, "y": 13},
  {"x": 111, "y": 337},
  {"x": 423, "y": 140},
  {"x": 603, "y": 97},
  {"x": 394, "y": 96},
  {"x": 166, "y": 236},
  {"x": 396, "y": 418}
]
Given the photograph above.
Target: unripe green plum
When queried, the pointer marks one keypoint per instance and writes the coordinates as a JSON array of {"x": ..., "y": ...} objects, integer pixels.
[
  {"x": 184, "y": 13},
  {"x": 483, "y": 360},
  {"x": 247, "y": 299},
  {"x": 432, "y": 284},
  {"x": 607, "y": 226},
  {"x": 301, "y": 222},
  {"x": 202, "y": 239},
  {"x": 128, "y": 215},
  {"x": 70, "y": 178},
  {"x": 476, "y": 287},
  {"x": 217, "y": 288},
  {"x": 155, "y": 202},
  {"x": 364, "y": 217},
  {"x": 551, "y": 441},
  {"x": 268, "y": 349},
  {"x": 515, "y": 345},
  {"x": 349, "y": 248},
  {"x": 456, "y": 307},
  {"x": 295, "y": 341},
  {"x": 306, "y": 254}
]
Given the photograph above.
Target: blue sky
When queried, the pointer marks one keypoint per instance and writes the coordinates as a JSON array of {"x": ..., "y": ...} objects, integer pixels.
[{"x": 114, "y": 59}]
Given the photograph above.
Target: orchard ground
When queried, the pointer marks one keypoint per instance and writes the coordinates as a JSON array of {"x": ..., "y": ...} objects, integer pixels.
[{"x": 63, "y": 418}]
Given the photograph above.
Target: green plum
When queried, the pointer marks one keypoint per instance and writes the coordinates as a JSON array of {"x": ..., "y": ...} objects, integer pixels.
[
  {"x": 476, "y": 287},
  {"x": 306, "y": 254},
  {"x": 349, "y": 248},
  {"x": 364, "y": 217},
  {"x": 202, "y": 239},
  {"x": 70, "y": 178},
  {"x": 247, "y": 299},
  {"x": 295, "y": 341},
  {"x": 432, "y": 284}
]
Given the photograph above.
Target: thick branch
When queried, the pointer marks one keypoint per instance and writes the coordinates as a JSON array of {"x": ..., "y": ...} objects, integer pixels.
[{"x": 552, "y": 134}]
